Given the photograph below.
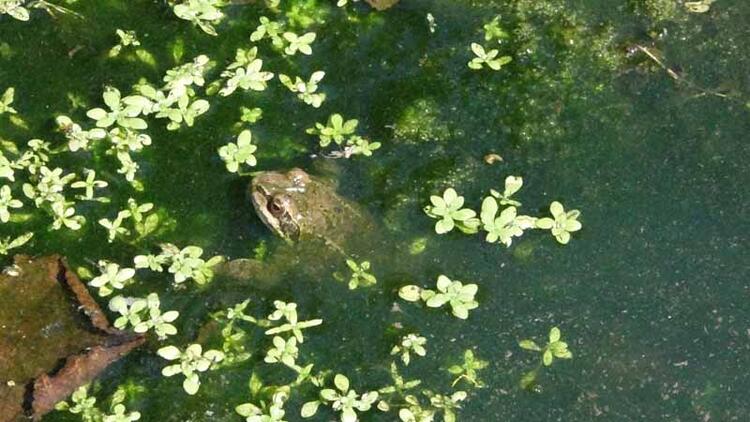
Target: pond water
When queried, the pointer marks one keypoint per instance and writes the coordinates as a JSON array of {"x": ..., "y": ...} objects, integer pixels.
[{"x": 652, "y": 295}]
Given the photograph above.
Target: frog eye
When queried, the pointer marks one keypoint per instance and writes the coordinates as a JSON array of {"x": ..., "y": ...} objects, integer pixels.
[
  {"x": 275, "y": 207},
  {"x": 279, "y": 205}
]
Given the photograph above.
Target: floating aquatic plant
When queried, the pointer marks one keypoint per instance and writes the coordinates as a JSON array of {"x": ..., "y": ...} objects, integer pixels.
[
  {"x": 494, "y": 31},
  {"x": 8, "y": 243},
  {"x": 448, "y": 210},
  {"x": 306, "y": 90},
  {"x": 191, "y": 361},
  {"x": 245, "y": 73},
  {"x": 468, "y": 369},
  {"x": 342, "y": 399},
  {"x": 88, "y": 185},
  {"x": 500, "y": 225},
  {"x": 361, "y": 275},
  {"x": 273, "y": 412},
  {"x": 111, "y": 278},
  {"x": 341, "y": 132},
  {"x": 203, "y": 13},
  {"x": 84, "y": 406},
  {"x": 7, "y": 99},
  {"x": 459, "y": 296},
  {"x": 288, "y": 311},
  {"x": 242, "y": 152},
  {"x": 144, "y": 314},
  {"x": 126, "y": 39},
  {"x": 487, "y": 58},
  {"x": 555, "y": 348},
  {"x": 299, "y": 43},
  {"x": 269, "y": 29},
  {"x": 563, "y": 223},
  {"x": 7, "y": 202},
  {"x": 410, "y": 343}
]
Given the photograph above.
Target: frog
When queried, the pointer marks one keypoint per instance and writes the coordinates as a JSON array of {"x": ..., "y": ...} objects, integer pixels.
[{"x": 317, "y": 224}]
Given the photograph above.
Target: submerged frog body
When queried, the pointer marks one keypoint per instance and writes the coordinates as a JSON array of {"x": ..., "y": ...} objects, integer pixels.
[{"x": 307, "y": 212}]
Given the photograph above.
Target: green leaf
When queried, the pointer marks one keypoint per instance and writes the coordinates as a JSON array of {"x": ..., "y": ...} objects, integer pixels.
[
  {"x": 554, "y": 334},
  {"x": 341, "y": 382},
  {"x": 547, "y": 358},
  {"x": 410, "y": 293},
  {"x": 529, "y": 345},
  {"x": 309, "y": 409}
]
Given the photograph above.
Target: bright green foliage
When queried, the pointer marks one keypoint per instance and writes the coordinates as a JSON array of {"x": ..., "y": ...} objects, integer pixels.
[
  {"x": 274, "y": 412},
  {"x": 460, "y": 297},
  {"x": 288, "y": 311},
  {"x": 88, "y": 186},
  {"x": 269, "y": 29},
  {"x": 187, "y": 263},
  {"x": 143, "y": 315},
  {"x": 111, "y": 278},
  {"x": 358, "y": 145},
  {"x": 7, "y": 168},
  {"x": 203, "y": 13},
  {"x": 85, "y": 406},
  {"x": 298, "y": 43},
  {"x": 468, "y": 369},
  {"x": 192, "y": 361},
  {"x": 15, "y": 9},
  {"x": 6, "y": 202},
  {"x": 399, "y": 386},
  {"x": 414, "y": 412},
  {"x": 341, "y": 132},
  {"x": 251, "y": 115},
  {"x": 448, "y": 404},
  {"x": 50, "y": 184},
  {"x": 410, "y": 343},
  {"x": 245, "y": 73},
  {"x": 123, "y": 111},
  {"x": 234, "y": 336},
  {"x": 563, "y": 224},
  {"x": 487, "y": 58},
  {"x": 505, "y": 226},
  {"x": 7, "y": 98},
  {"x": 512, "y": 185},
  {"x": 114, "y": 227},
  {"x": 284, "y": 351},
  {"x": 306, "y": 91},
  {"x": 143, "y": 225},
  {"x": 186, "y": 112},
  {"x": 361, "y": 275},
  {"x": 493, "y": 31},
  {"x": 6, "y": 244},
  {"x": 700, "y": 6},
  {"x": 127, "y": 38},
  {"x": 235, "y": 154},
  {"x": 555, "y": 348},
  {"x": 78, "y": 139},
  {"x": 81, "y": 404},
  {"x": 448, "y": 210},
  {"x": 337, "y": 130},
  {"x": 342, "y": 399},
  {"x": 64, "y": 215},
  {"x": 120, "y": 414}
]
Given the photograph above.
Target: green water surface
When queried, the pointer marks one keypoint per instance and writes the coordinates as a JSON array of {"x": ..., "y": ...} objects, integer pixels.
[{"x": 652, "y": 295}]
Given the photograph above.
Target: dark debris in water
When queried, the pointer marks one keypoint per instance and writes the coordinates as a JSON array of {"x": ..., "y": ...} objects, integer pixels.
[{"x": 54, "y": 339}]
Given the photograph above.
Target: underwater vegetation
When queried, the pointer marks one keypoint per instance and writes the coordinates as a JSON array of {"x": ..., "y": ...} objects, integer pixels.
[{"x": 602, "y": 146}]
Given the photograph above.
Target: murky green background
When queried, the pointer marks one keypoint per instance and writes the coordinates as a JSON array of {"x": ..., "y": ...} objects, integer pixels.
[{"x": 652, "y": 294}]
